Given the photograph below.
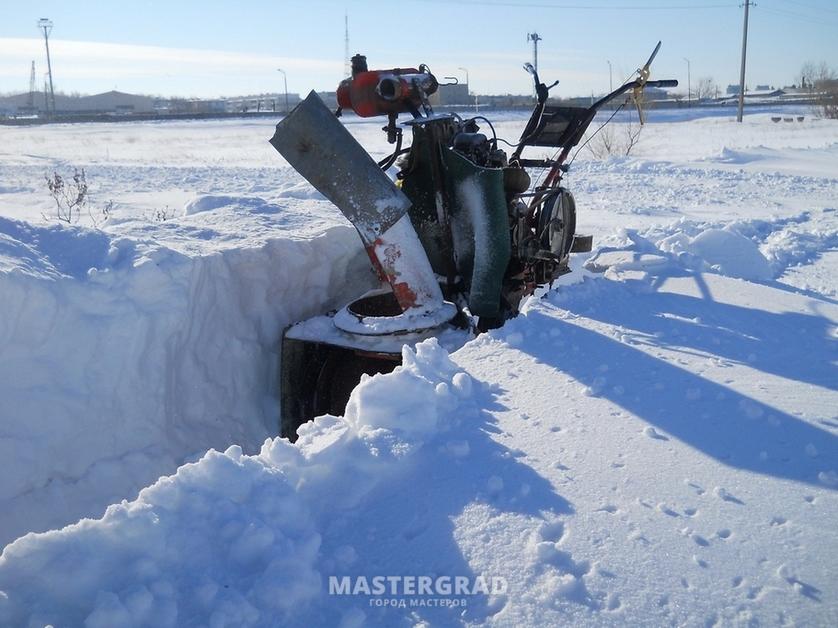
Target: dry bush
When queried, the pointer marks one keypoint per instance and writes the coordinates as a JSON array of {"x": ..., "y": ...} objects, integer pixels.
[
  {"x": 72, "y": 196},
  {"x": 822, "y": 83},
  {"x": 706, "y": 89},
  {"x": 615, "y": 140}
]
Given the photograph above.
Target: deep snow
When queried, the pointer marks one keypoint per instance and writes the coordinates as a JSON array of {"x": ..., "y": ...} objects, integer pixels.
[{"x": 652, "y": 442}]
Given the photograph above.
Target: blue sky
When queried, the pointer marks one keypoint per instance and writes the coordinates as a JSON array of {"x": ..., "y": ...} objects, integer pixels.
[{"x": 212, "y": 48}]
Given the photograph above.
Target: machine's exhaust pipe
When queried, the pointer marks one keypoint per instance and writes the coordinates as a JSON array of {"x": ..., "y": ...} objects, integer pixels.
[{"x": 320, "y": 148}]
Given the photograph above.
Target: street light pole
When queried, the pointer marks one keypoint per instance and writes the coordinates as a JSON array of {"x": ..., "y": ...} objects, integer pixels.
[
  {"x": 689, "y": 88},
  {"x": 468, "y": 88},
  {"x": 466, "y": 71},
  {"x": 610, "y": 82},
  {"x": 285, "y": 82},
  {"x": 534, "y": 38}
]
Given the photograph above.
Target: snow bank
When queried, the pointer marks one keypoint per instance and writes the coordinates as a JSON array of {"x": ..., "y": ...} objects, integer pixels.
[
  {"x": 757, "y": 250},
  {"x": 120, "y": 357},
  {"x": 722, "y": 250},
  {"x": 234, "y": 540},
  {"x": 795, "y": 247}
]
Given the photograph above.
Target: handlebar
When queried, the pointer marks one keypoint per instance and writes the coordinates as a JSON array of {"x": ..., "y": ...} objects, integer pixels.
[
  {"x": 632, "y": 85},
  {"x": 663, "y": 83}
]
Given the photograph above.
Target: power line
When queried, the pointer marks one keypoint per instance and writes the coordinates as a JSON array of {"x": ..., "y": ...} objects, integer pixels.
[
  {"x": 583, "y": 7},
  {"x": 811, "y": 6},
  {"x": 798, "y": 16}
]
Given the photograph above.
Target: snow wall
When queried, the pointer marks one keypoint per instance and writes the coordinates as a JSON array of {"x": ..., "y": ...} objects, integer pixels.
[{"x": 121, "y": 359}]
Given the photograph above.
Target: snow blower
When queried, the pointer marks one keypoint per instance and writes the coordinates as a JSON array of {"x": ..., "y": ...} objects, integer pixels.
[{"x": 458, "y": 240}]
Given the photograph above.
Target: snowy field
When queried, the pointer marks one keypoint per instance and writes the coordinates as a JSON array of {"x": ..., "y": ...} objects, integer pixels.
[{"x": 652, "y": 442}]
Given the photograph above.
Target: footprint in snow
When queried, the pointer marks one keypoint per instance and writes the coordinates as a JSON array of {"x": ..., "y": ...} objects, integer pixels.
[
  {"x": 785, "y": 572},
  {"x": 700, "y": 540},
  {"x": 652, "y": 433},
  {"x": 605, "y": 573},
  {"x": 666, "y": 510},
  {"x": 613, "y": 603},
  {"x": 549, "y": 553},
  {"x": 697, "y": 487},
  {"x": 551, "y": 531},
  {"x": 726, "y": 496}
]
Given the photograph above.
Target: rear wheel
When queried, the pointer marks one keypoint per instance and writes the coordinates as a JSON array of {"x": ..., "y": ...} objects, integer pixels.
[
  {"x": 317, "y": 378},
  {"x": 339, "y": 375}
]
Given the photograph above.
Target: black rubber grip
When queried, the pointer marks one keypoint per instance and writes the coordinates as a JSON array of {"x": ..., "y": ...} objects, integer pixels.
[{"x": 664, "y": 83}]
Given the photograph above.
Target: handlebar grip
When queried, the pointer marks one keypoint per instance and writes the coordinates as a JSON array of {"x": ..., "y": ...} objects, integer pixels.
[{"x": 663, "y": 83}]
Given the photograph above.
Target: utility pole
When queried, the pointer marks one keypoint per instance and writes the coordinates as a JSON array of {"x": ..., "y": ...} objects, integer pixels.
[
  {"x": 742, "y": 70},
  {"x": 30, "y": 101},
  {"x": 347, "y": 63},
  {"x": 534, "y": 38},
  {"x": 610, "y": 82},
  {"x": 689, "y": 83},
  {"x": 46, "y": 25},
  {"x": 285, "y": 81},
  {"x": 468, "y": 90}
]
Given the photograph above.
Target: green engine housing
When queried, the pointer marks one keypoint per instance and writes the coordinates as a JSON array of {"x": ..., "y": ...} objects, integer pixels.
[{"x": 459, "y": 210}]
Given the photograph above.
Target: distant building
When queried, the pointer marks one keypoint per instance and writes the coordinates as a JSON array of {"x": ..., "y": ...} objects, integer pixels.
[
  {"x": 768, "y": 93},
  {"x": 108, "y": 102},
  {"x": 507, "y": 101},
  {"x": 732, "y": 90},
  {"x": 112, "y": 102},
  {"x": 655, "y": 93},
  {"x": 451, "y": 95},
  {"x": 261, "y": 102},
  {"x": 330, "y": 99}
]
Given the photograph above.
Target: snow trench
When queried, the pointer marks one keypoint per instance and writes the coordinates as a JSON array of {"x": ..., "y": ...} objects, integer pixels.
[
  {"x": 235, "y": 540},
  {"x": 121, "y": 359}
]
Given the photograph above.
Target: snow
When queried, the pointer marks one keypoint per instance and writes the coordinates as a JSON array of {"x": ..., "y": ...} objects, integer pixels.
[
  {"x": 653, "y": 441},
  {"x": 123, "y": 358}
]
